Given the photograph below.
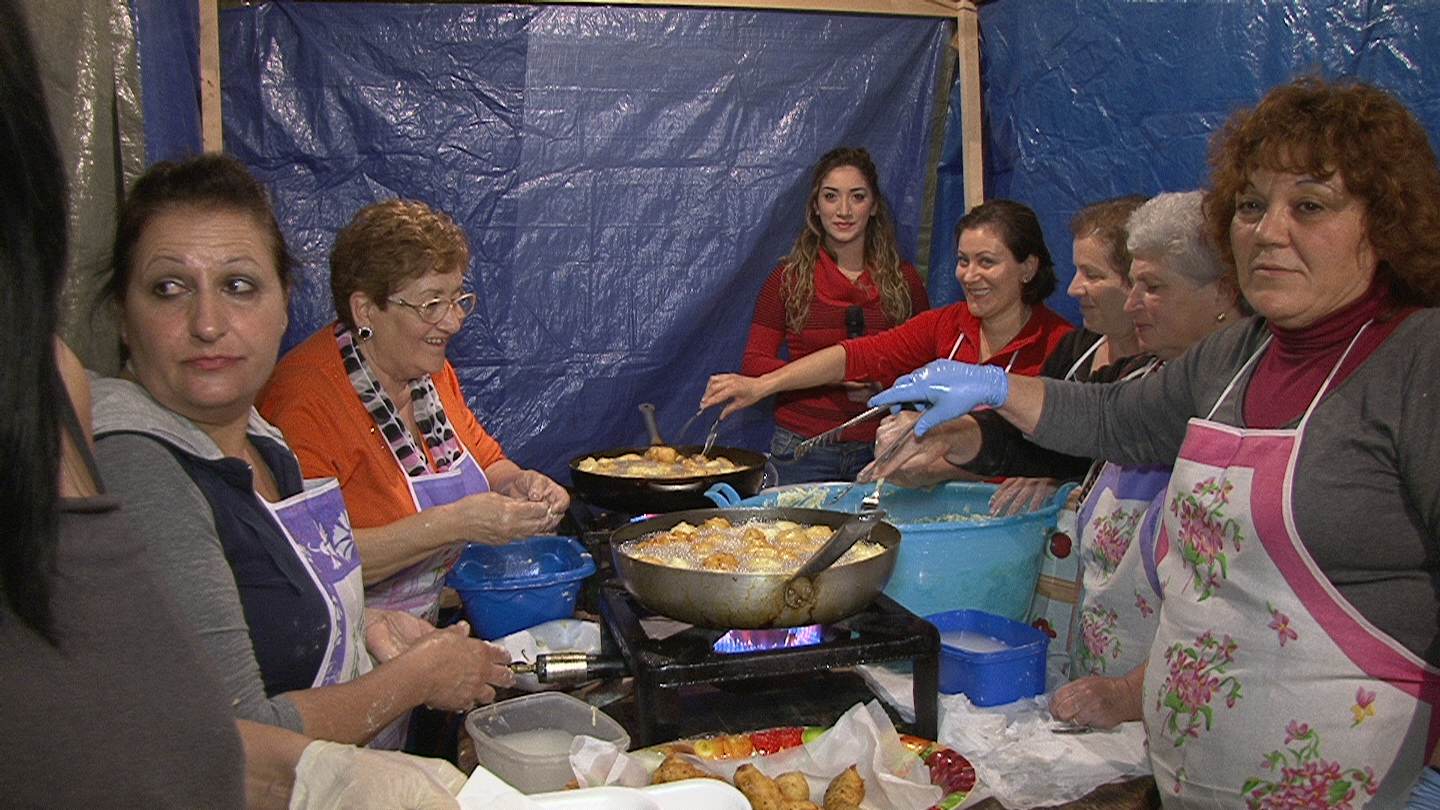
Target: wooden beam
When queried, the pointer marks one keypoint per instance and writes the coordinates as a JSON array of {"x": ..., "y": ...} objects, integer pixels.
[
  {"x": 212, "y": 137},
  {"x": 967, "y": 32},
  {"x": 904, "y": 8}
]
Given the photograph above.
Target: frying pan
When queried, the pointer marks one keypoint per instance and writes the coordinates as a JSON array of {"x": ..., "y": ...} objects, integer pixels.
[
  {"x": 638, "y": 495},
  {"x": 730, "y": 601}
]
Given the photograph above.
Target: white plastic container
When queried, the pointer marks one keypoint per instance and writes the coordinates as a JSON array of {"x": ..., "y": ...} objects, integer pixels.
[{"x": 526, "y": 740}]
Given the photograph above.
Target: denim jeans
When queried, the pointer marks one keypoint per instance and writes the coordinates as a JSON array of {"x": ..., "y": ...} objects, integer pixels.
[{"x": 837, "y": 461}]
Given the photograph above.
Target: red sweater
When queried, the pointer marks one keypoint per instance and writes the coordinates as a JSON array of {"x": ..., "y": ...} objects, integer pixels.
[
  {"x": 931, "y": 336},
  {"x": 811, "y": 411}
]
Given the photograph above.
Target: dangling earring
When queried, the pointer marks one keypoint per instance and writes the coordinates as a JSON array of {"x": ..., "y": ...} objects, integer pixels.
[{"x": 364, "y": 333}]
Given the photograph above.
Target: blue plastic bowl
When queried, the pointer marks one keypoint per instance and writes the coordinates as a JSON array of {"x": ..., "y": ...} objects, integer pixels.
[
  {"x": 953, "y": 555},
  {"x": 990, "y": 674},
  {"x": 520, "y": 584}
]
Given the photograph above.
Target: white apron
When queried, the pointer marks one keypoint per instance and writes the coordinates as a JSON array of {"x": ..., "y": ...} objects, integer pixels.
[
  {"x": 318, "y": 527},
  {"x": 1097, "y": 600},
  {"x": 1265, "y": 687},
  {"x": 416, "y": 590},
  {"x": 1120, "y": 600}
]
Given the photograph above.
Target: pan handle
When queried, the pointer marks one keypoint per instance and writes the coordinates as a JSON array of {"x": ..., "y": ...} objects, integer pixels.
[
  {"x": 652, "y": 426},
  {"x": 723, "y": 495}
]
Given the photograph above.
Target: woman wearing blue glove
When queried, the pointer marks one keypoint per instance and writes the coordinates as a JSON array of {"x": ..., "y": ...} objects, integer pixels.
[{"x": 1299, "y": 640}]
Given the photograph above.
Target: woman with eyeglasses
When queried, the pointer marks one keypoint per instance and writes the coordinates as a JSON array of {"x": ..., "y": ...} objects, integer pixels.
[
  {"x": 372, "y": 401},
  {"x": 262, "y": 563},
  {"x": 843, "y": 278}
]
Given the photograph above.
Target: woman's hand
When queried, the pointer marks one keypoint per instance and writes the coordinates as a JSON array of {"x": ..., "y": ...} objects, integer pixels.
[
  {"x": 335, "y": 776},
  {"x": 1100, "y": 702},
  {"x": 920, "y": 463},
  {"x": 529, "y": 485},
  {"x": 391, "y": 632},
  {"x": 1016, "y": 496},
  {"x": 741, "y": 391},
  {"x": 462, "y": 671},
  {"x": 948, "y": 389},
  {"x": 495, "y": 519}
]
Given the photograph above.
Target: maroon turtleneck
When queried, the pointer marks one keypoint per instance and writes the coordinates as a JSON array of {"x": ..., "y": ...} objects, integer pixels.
[{"x": 1290, "y": 374}]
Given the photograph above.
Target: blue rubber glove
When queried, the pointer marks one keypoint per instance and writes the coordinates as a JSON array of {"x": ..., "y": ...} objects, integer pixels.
[
  {"x": 1426, "y": 795},
  {"x": 945, "y": 390}
]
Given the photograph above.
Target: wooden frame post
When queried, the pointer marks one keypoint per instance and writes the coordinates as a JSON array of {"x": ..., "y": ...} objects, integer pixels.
[
  {"x": 212, "y": 133},
  {"x": 967, "y": 32}
]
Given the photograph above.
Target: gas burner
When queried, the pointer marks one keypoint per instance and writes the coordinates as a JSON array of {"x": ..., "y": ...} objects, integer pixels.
[
  {"x": 744, "y": 641},
  {"x": 662, "y": 663}
]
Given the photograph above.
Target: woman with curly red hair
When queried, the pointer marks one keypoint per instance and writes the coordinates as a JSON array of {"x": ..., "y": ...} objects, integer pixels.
[{"x": 1298, "y": 652}]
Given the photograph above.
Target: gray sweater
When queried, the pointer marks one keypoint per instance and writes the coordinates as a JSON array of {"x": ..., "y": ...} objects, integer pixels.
[
  {"x": 171, "y": 514},
  {"x": 1367, "y": 481}
]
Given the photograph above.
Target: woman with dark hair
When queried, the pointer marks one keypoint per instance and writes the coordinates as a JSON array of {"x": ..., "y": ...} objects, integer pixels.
[
  {"x": 88, "y": 634},
  {"x": 263, "y": 562},
  {"x": 1006, "y": 272},
  {"x": 843, "y": 278},
  {"x": 1298, "y": 647}
]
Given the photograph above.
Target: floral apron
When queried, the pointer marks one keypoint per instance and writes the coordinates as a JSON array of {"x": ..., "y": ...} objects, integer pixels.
[
  {"x": 1099, "y": 599},
  {"x": 1120, "y": 599},
  {"x": 317, "y": 525},
  {"x": 1265, "y": 687},
  {"x": 416, "y": 590}
]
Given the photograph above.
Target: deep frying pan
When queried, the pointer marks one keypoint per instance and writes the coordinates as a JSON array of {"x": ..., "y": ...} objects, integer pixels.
[
  {"x": 731, "y": 601},
  {"x": 640, "y": 495}
]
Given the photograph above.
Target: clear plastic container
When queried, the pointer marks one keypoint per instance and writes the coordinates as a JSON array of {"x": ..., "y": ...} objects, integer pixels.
[{"x": 526, "y": 740}]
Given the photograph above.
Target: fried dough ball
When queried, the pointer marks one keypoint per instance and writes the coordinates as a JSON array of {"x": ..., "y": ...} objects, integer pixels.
[
  {"x": 662, "y": 453},
  {"x": 793, "y": 785},
  {"x": 676, "y": 768},
  {"x": 717, "y": 522},
  {"x": 846, "y": 790},
  {"x": 720, "y": 561},
  {"x": 764, "y": 793},
  {"x": 752, "y": 536},
  {"x": 819, "y": 533},
  {"x": 794, "y": 536}
]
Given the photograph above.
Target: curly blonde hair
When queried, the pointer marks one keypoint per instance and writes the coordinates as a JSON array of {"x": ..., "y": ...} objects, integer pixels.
[
  {"x": 1365, "y": 135},
  {"x": 881, "y": 255},
  {"x": 387, "y": 245}
]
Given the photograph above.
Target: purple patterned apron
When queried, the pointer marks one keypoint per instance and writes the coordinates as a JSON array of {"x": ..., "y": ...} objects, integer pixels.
[
  {"x": 416, "y": 590},
  {"x": 318, "y": 527}
]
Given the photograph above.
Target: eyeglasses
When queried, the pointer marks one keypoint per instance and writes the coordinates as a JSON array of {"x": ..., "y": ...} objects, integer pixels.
[{"x": 435, "y": 310}]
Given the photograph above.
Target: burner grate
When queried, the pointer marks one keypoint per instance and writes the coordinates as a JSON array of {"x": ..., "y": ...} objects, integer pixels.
[{"x": 661, "y": 666}]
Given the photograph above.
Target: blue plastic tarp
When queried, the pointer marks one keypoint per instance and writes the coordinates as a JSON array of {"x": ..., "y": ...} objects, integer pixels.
[
  {"x": 628, "y": 178},
  {"x": 1088, "y": 99}
]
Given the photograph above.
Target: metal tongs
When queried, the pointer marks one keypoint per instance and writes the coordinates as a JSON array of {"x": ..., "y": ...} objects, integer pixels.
[
  {"x": 709, "y": 437},
  {"x": 872, "y": 500},
  {"x": 833, "y": 434}
]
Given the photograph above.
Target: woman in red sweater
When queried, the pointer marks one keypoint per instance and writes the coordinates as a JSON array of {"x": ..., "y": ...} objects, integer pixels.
[
  {"x": 1006, "y": 272},
  {"x": 843, "y": 278}
]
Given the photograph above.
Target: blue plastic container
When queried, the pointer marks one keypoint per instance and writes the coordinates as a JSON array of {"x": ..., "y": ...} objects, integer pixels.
[
  {"x": 953, "y": 555},
  {"x": 1010, "y": 664},
  {"x": 520, "y": 584}
]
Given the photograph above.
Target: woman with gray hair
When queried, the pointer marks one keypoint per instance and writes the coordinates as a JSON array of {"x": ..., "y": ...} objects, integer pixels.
[
  {"x": 1180, "y": 290},
  {"x": 1179, "y": 293}
]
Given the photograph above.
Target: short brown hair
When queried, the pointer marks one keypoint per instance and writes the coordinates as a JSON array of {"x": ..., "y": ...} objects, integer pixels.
[
  {"x": 1371, "y": 140},
  {"x": 387, "y": 245},
  {"x": 1108, "y": 221},
  {"x": 213, "y": 181}
]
